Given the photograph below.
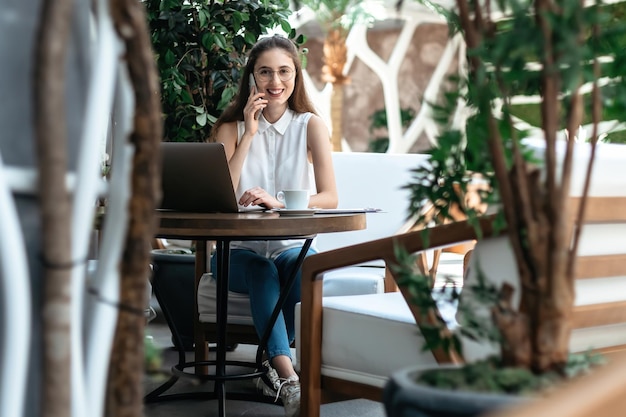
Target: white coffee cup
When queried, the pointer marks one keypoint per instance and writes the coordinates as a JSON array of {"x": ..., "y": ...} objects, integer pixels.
[{"x": 294, "y": 199}]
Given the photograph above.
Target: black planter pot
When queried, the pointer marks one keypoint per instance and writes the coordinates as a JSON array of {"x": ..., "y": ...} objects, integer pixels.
[
  {"x": 403, "y": 397},
  {"x": 173, "y": 281}
]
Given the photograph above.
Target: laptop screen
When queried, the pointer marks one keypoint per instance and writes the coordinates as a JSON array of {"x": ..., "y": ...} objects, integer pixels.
[{"x": 195, "y": 178}]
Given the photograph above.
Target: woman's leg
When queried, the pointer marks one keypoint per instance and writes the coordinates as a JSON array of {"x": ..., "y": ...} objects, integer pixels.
[
  {"x": 258, "y": 277},
  {"x": 285, "y": 263}
]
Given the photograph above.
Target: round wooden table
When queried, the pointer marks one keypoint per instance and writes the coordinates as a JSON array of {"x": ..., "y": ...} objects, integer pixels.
[
  {"x": 253, "y": 225},
  {"x": 224, "y": 228}
]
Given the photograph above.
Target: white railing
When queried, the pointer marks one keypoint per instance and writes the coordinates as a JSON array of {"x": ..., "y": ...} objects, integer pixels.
[{"x": 16, "y": 306}]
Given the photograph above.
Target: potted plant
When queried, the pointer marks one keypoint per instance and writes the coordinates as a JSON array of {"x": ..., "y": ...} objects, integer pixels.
[
  {"x": 569, "y": 54},
  {"x": 173, "y": 280}
]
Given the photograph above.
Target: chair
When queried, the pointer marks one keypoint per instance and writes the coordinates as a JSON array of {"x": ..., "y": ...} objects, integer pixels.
[
  {"x": 349, "y": 345},
  {"x": 327, "y": 325},
  {"x": 338, "y": 324}
]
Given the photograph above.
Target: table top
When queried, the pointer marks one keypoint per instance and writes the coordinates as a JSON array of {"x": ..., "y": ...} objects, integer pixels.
[{"x": 255, "y": 225}]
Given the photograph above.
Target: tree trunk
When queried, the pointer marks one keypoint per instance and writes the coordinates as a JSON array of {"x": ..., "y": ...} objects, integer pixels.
[
  {"x": 51, "y": 139},
  {"x": 335, "y": 58},
  {"x": 125, "y": 390},
  {"x": 336, "y": 113},
  {"x": 535, "y": 336}
]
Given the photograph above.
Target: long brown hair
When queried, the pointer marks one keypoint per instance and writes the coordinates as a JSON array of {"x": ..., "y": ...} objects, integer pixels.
[{"x": 298, "y": 101}]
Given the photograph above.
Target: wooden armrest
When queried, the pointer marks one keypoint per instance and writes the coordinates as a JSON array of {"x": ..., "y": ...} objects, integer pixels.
[
  {"x": 315, "y": 265},
  {"x": 438, "y": 237}
]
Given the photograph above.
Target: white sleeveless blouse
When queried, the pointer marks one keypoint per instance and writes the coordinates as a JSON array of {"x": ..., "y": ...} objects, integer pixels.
[{"x": 277, "y": 160}]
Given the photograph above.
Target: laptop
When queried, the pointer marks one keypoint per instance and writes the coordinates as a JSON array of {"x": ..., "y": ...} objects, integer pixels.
[{"x": 195, "y": 178}]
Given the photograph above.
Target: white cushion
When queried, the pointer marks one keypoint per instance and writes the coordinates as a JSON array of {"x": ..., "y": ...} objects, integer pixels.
[
  {"x": 366, "y": 179},
  {"x": 354, "y": 280},
  {"x": 598, "y": 337},
  {"x": 367, "y": 337},
  {"x": 605, "y": 179},
  {"x": 238, "y": 304}
]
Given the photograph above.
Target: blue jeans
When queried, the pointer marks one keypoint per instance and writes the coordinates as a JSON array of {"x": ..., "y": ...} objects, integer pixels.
[{"x": 262, "y": 278}]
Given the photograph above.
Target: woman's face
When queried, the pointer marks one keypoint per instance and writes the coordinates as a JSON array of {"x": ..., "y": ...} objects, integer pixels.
[{"x": 273, "y": 64}]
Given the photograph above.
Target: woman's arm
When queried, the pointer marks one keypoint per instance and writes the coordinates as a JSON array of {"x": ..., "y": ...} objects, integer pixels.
[
  {"x": 319, "y": 146},
  {"x": 227, "y": 134}
]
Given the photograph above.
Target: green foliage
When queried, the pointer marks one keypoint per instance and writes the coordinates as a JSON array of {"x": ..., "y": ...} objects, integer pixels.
[
  {"x": 153, "y": 355},
  {"x": 378, "y": 121},
  {"x": 487, "y": 375},
  {"x": 442, "y": 184},
  {"x": 514, "y": 74},
  {"x": 200, "y": 48},
  {"x": 419, "y": 287},
  {"x": 481, "y": 296},
  {"x": 338, "y": 14},
  {"x": 490, "y": 376},
  {"x": 509, "y": 68},
  {"x": 579, "y": 47}
]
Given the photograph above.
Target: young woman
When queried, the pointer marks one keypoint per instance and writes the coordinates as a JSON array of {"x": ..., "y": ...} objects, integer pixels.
[{"x": 274, "y": 141}]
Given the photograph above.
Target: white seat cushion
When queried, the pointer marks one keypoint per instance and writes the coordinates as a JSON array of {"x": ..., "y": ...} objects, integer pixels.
[
  {"x": 367, "y": 337},
  {"x": 238, "y": 304},
  {"x": 354, "y": 280}
]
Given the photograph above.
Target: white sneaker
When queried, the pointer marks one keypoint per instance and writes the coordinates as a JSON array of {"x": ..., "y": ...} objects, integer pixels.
[
  {"x": 272, "y": 375},
  {"x": 289, "y": 392},
  {"x": 287, "y": 389}
]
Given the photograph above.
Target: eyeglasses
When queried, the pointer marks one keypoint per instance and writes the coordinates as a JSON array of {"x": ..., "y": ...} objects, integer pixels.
[{"x": 285, "y": 74}]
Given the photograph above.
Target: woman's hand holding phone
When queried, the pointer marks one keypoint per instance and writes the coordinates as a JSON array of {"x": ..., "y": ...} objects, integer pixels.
[{"x": 253, "y": 91}]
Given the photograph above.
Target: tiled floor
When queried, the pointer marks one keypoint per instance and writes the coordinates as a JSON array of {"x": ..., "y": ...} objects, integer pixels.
[{"x": 209, "y": 408}]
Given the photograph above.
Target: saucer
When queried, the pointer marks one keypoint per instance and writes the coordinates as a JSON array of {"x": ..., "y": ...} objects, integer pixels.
[{"x": 296, "y": 212}]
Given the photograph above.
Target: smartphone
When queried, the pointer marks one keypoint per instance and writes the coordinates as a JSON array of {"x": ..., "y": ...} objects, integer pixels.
[
  {"x": 252, "y": 83},
  {"x": 256, "y": 90}
]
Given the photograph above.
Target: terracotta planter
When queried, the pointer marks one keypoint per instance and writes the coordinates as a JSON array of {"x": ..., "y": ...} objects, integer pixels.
[{"x": 403, "y": 397}]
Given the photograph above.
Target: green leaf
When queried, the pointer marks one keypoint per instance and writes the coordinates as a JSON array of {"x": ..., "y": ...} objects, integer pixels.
[
  {"x": 203, "y": 17},
  {"x": 201, "y": 119},
  {"x": 250, "y": 37},
  {"x": 237, "y": 20},
  {"x": 198, "y": 109},
  {"x": 220, "y": 40},
  {"x": 285, "y": 26},
  {"x": 208, "y": 41},
  {"x": 169, "y": 58}
]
